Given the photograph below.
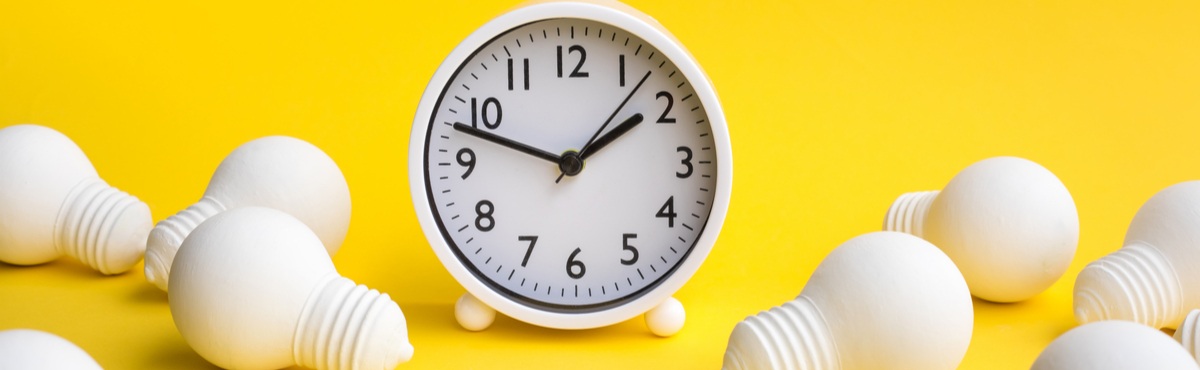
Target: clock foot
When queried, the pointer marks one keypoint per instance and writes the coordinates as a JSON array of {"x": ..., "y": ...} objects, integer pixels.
[
  {"x": 474, "y": 315},
  {"x": 667, "y": 318}
]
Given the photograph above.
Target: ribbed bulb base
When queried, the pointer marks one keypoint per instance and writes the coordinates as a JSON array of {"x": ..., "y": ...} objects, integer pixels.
[
  {"x": 103, "y": 227},
  {"x": 907, "y": 213},
  {"x": 168, "y": 235},
  {"x": 347, "y": 326},
  {"x": 1136, "y": 283},
  {"x": 791, "y": 336}
]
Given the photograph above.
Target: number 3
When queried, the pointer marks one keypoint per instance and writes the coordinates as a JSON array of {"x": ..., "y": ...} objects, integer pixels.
[{"x": 687, "y": 161}]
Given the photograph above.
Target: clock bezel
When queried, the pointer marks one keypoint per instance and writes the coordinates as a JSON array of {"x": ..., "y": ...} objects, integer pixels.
[{"x": 629, "y": 20}]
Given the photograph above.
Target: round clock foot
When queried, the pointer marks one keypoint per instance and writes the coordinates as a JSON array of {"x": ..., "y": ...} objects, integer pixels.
[
  {"x": 474, "y": 315},
  {"x": 667, "y": 318}
]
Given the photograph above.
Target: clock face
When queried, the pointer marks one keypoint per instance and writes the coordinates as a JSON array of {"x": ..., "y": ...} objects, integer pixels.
[{"x": 569, "y": 165}]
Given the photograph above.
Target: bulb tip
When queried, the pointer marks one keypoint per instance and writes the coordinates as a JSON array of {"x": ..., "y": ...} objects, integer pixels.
[
  {"x": 124, "y": 243},
  {"x": 400, "y": 350},
  {"x": 156, "y": 271},
  {"x": 403, "y": 353},
  {"x": 743, "y": 345},
  {"x": 1088, "y": 307}
]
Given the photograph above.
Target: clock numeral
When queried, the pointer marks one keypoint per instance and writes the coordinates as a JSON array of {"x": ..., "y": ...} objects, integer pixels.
[
  {"x": 670, "y": 103},
  {"x": 484, "y": 216},
  {"x": 630, "y": 248},
  {"x": 582, "y": 57},
  {"x": 510, "y": 74},
  {"x": 687, "y": 162},
  {"x": 468, "y": 161},
  {"x": 532, "y": 239},
  {"x": 621, "y": 63},
  {"x": 573, "y": 265},
  {"x": 668, "y": 211},
  {"x": 489, "y": 105}
]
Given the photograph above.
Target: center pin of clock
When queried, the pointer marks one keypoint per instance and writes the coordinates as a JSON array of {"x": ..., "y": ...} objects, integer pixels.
[{"x": 570, "y": 163}]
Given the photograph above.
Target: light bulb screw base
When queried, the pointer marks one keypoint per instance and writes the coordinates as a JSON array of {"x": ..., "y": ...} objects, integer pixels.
[
  {"x": 349, "y": 326},
  {"x": 103, "y": 227},
  {"x": 907, "y": 214},
  {"x": 1136, "y": 283},
  {"x": 168, "y": 235},
  {"x": 791, "y": 336}
]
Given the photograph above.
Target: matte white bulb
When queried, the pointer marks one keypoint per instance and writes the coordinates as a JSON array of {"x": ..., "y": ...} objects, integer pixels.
[
  {"x": 252, "y": 288},
  {"x": 25, "y": 349},
  {"x": 883, "y": 300},
  {"x": 1188, "y": 333},
  {"x": 1008, "y": 223},
  {"x": 278, "y": 172},
  {"x": 1154, "y": 279},
  {"x": 1113, "y": 345},
  {"x": 52, "y": 202}
]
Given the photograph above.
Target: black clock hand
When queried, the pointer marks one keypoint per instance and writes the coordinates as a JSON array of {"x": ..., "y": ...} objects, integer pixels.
[
  {"x": 572, "y": 162},
  {"x": 616, "y": 132},
  {"x": 506, "y": 142},
  {"x": 583, "y": 151}
]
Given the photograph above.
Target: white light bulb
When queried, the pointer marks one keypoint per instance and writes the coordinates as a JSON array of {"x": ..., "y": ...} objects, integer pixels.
[
  {"x": 1188, "y": 333},
  {"x": 22, "y": 349},
  {"x": 1008, "y": 223},
  {"x": 1154, "y": 278},
  {"x": 252, "y": 288},
  {"x": 879, "y": 301},
  {"x": 52, "y": 202},
  {"x": 278, "y": 172},
  {"x": 1113, "y": 345}
]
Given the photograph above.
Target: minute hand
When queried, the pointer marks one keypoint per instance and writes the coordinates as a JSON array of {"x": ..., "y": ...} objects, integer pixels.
[
  {"x": 506, "y": 142},
  {"x": 583, "y": 152},
  {"x": 616, "y": 132}
]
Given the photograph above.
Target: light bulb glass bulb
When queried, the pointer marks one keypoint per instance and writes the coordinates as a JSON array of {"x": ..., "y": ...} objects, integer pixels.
[
  {"x": 1114, "y": 345},
  {"x": 277, "y": 172},
  {"x": 880, "y": 300},
  {"x": 1153, "y": 279},
  {"x": 34, "y": 349},
  {"x": 1188, "y": 333},
  {"x": 1008, "y": 223},
  {"x": 52, "y": 202},
  {"x": 254, "y": 288}
]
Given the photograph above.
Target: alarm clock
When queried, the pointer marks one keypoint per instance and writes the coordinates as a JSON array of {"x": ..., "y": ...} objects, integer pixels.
[{"x": 571, "y": 167}]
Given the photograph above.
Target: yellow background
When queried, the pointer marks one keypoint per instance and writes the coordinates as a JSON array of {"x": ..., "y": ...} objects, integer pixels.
[{"x": 834, "y": 108}]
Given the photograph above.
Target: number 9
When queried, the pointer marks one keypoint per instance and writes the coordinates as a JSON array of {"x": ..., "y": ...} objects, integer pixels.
[{"x": 469, "y": 162}]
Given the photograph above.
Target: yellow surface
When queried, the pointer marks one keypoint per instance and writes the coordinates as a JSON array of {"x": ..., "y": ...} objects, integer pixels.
[{"x": 835, "y": 108}]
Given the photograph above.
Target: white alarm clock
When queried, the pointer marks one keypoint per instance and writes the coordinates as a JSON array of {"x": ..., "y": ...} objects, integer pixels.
[{"x": 571, "y": 168}]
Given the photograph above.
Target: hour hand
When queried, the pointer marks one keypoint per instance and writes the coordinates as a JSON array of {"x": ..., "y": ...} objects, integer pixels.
[
  {"x": 608, "y": 138},
  {"x": 506, "y": 142}
]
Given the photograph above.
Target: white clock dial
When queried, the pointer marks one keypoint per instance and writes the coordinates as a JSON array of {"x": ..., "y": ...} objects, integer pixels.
[
  {"x": 501, "y": 164},
  {"x": 571, "y": 168}
]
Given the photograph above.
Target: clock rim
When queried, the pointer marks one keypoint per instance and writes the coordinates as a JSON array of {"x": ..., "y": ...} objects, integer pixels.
[{"x": 627, "y": 19}]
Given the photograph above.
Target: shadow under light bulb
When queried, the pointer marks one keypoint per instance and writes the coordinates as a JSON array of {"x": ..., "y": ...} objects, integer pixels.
[
  {"x": 1114, "y": 345},
  {"x": 1154, "y": 278},
  {"x": 277, "y": 172},
  {"x": 52, "y": 202},
  {"x": 252, "y": 288},
  {"x": 880, "y": 300},
  {"x": 22, "y": 349},
  {"x": 1008, "y": 223}
]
